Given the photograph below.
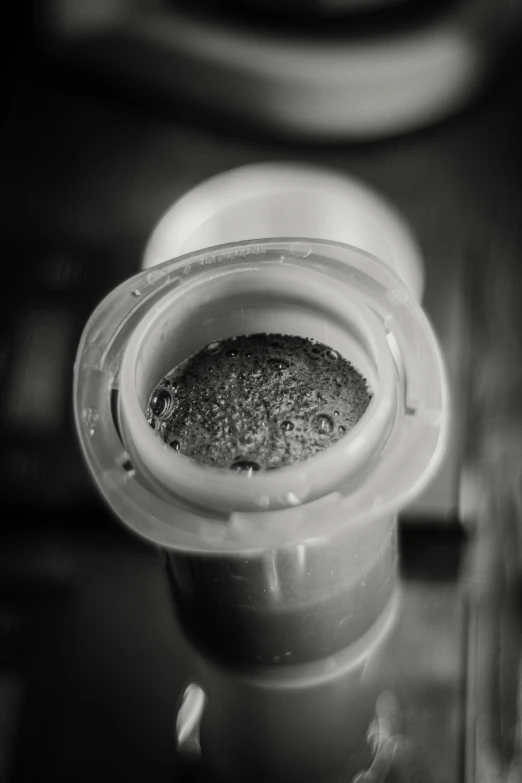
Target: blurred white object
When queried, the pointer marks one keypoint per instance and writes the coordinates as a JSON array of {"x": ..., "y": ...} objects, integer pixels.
[
  {"x": 351, "y": 83},
  {"x": 287, "y": 200}
]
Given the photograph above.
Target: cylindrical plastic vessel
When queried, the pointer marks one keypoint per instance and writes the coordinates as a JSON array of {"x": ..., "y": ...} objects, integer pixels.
[
  {"x": 306, "y": 722},
  {"x": 288, "y": 568},
  {"x": 287, "y": 199}
]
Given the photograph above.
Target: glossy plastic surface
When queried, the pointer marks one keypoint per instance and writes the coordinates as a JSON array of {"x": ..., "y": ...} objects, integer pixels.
[{"x": 394, "y": 470}]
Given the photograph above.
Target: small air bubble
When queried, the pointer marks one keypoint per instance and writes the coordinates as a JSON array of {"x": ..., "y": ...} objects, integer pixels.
[
  {"x": 287, "y": 426},
  {"x": 278, "y": 364},
  {"x": 245, "y": 465},
  {"x": 125, "y": 462},
  {"x": 160, "y": 402},
  {"x": 332, "y": 355},
  {"x": 322, "y": 424},
  {"x": 174, "y": 445},
  {"x": 232, "y": 352},
  {"x": 336, "y": 413},
  {"x": 342, "y": 430}
]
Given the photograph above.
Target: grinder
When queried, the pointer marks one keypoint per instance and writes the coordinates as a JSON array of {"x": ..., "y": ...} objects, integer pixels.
[{"x": 284, "y": 581}]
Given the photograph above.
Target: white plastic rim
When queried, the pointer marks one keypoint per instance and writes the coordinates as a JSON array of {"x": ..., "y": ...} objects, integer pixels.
[
  {"x": 215, "y": 307},
  {"x": 407, "y": 459},
  {"x": 287, "y": 199}
]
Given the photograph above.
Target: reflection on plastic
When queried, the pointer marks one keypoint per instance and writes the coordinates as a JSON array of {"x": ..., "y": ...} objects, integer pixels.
[
  {"x": 188, "y": 722},
  {"x": 394, "y": 757}
]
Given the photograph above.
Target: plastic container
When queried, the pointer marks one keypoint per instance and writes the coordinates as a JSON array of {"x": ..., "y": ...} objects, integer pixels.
[
  {"x": 308, "y": 722},
  {"x": 284, "y": 569},
  {"x": 284, "y": 200}
]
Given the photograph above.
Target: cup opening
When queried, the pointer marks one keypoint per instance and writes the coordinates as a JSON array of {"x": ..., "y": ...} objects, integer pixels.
[
  {"x": 250, "y": 299},
  {"x": 378, "y": 467}
]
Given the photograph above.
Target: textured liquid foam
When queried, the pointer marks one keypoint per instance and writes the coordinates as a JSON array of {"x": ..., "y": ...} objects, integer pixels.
[{"x": 258, "y": 401}]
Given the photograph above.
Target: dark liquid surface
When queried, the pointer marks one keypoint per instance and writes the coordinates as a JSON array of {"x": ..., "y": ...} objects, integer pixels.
[{"x": 258, "y": 401}]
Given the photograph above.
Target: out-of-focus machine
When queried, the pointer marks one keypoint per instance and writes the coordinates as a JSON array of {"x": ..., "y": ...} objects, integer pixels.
[{"x": 308, "y": 70}]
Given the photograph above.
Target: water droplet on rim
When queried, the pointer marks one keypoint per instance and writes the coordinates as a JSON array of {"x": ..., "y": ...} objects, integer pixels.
[
  {"x": 397, "y": 295},
  {"x": 155, "y": 275},
  {"x": 213, "y": 348},
  {"x": 90, "y": 417},
  {"x": 300, "y": 249},
  {"x": 332, "y": 355}
]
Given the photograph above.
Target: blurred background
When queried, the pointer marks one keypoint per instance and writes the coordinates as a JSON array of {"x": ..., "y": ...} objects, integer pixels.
[{"x": 112, "y": 111}]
